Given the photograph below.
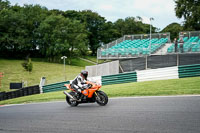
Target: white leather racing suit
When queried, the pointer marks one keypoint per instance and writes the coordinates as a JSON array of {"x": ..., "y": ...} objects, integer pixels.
[{"x": 78, "y": 83}]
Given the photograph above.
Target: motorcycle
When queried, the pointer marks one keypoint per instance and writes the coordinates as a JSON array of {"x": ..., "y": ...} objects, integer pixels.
[{"x": 89, "y": 95}]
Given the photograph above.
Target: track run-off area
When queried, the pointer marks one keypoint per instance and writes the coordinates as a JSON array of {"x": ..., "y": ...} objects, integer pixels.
[{"x": 159, "y": 114}]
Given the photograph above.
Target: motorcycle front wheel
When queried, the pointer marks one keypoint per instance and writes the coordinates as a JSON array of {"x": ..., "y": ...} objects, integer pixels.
[
  {"x": 70, "y": 101},
  {"x": 101, "y": 98}
]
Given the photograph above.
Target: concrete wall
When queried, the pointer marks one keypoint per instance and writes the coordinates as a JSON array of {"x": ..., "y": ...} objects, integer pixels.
[{"x": 103, "y": 69}]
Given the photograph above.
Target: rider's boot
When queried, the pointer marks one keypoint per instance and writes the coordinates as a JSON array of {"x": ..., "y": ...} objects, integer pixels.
[{"x": 78, "y": 95}]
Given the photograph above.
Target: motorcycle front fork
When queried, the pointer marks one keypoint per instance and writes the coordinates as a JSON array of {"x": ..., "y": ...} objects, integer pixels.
[{"x": 97, "y": 95}]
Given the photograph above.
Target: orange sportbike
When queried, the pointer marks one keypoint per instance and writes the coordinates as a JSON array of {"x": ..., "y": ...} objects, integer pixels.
[{"x": 89, "y": 95}]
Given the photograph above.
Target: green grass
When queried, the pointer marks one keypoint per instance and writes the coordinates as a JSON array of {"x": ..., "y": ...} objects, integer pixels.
[
  {"x": 80, "y": 63},
  {"x": 54, "y": 72},
  {"x": 52, "y": 96},
  {"x": 182, "y": 86},
  {"x": 155, "y": 88},
  {"x": 94, "y": 59}
]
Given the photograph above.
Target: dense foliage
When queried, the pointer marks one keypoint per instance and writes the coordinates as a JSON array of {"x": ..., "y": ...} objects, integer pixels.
[
  {"x": 190, "y": 11},
  {"x": 33, "y": 30},
  {"x": 174, "y": 29},
  {"x": 27, "y": 65}
]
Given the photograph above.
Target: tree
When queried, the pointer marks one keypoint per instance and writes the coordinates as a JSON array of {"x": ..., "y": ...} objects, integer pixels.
[
  {"x": 34, "y": 30},
  {"x": 18, "y": 28},
  {"x": 94, "y": 24},
  {"x": 190, "y": 11},
  {"x": 11, "y": 29},
  {"x": 119, "y": 25},
  {"x": 75, "y": 15},
  {"x": 174, "y": 29},
  {"x": 33, "y": 15},
  {"x": 27, "y": 65},
  {"x": 61, "y": 36},
  {"x": 132, "y": 25},
  {"x": 4, "y": 4},
  {"x": 109, "y": 33}
]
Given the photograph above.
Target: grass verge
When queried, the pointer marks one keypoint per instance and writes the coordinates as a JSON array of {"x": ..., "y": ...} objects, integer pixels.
[
  {"x": 150, "y": 88},
  {"x": 94, "y": 59},
  {"x": 54, "y": 72},
  {"x": 155, "y": 88}
]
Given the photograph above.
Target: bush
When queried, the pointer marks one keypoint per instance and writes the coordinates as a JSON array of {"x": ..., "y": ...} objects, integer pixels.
[{"x": 27, "y": 65}]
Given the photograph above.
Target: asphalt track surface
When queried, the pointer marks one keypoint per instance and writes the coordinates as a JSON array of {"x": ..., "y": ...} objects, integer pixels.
[{"x": 123, "y": 115}]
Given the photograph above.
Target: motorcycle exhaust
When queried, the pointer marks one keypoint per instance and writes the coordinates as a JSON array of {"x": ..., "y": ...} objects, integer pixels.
[{"x": 66, "y": 93}]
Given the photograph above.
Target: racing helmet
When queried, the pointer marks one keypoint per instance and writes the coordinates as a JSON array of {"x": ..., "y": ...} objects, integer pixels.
[{"x": 84, "y": 73}]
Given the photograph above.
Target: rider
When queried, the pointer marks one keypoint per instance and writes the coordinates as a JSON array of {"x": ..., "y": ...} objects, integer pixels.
[{"x": 79, "y": 83}]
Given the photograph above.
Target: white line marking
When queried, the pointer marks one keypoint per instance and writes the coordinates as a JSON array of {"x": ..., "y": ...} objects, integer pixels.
[
  {"x": 156, "y": 96},
  {"x": 113, "y": 98}
]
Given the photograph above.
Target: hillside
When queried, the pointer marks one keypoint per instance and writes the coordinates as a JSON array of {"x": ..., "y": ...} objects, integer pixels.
[{"x": 54, "y": 72}]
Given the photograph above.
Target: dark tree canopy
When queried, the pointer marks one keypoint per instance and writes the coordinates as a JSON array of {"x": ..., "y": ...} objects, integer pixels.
[
  {"x": 38, "y": 32},
  {"x": 190, "y": 11},
  {"x": 4, "y": 4},
  {"x": 174, "y": 29}
]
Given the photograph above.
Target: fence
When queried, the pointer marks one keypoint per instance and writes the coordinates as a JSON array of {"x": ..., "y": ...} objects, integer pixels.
[
  {"x": 119, "y": 78},
  {"x": 139, "y": 76},
  {"x": 189, "y": 71},
  {"x": 55, "y": 87},
  {"x": 20, "y": 92},
  {"x": 158, "y": 74},
  {"x": 189, "y": 33},
  {"x": 159, "y": 61},
  {"x": 147, "y": 36},
  {"x": 136, "y": 76}
]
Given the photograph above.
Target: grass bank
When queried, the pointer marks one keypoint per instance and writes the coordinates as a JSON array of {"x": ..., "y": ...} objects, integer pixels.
[
  {"x": 150, "y": 88},
  {"x": 54, "y": 72},
  {"x": 155, "y": 88},
  {"x": 94, "y": 59}
]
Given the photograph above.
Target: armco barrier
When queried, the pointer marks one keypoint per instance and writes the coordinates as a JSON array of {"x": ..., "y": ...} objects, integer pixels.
[
  {"x": 20, "y": 92},
  {"x": 54, "y": 87},
  {"x": 144, "y": 75},
  {"x": 189, "y": 71},
  {"x": 158, "y": 74},
  {"x": 119, "y": 78},
  {"x": 139, "y": 76}
]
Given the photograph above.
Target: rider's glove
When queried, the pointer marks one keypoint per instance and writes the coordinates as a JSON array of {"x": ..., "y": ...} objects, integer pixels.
[{"x": 89, "y": 85}]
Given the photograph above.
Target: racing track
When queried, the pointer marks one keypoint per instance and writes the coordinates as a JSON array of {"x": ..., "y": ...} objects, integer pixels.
[{"x": 124, "y": 115}]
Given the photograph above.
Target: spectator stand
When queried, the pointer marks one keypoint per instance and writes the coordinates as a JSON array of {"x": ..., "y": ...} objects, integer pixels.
[
  {"x": 191, "y": 43},
  {"x": 133, "y": 46}
]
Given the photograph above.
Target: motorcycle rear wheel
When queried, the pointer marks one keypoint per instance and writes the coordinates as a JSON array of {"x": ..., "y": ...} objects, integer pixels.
[
  {"x": 70, "y": 101},
  {"x": 102, "y": 98}
]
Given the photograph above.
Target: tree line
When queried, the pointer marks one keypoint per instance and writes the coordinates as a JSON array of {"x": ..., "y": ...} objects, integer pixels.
[
  {"x": 36, "y": 31},
  {"x": 189, "y": 10}
]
